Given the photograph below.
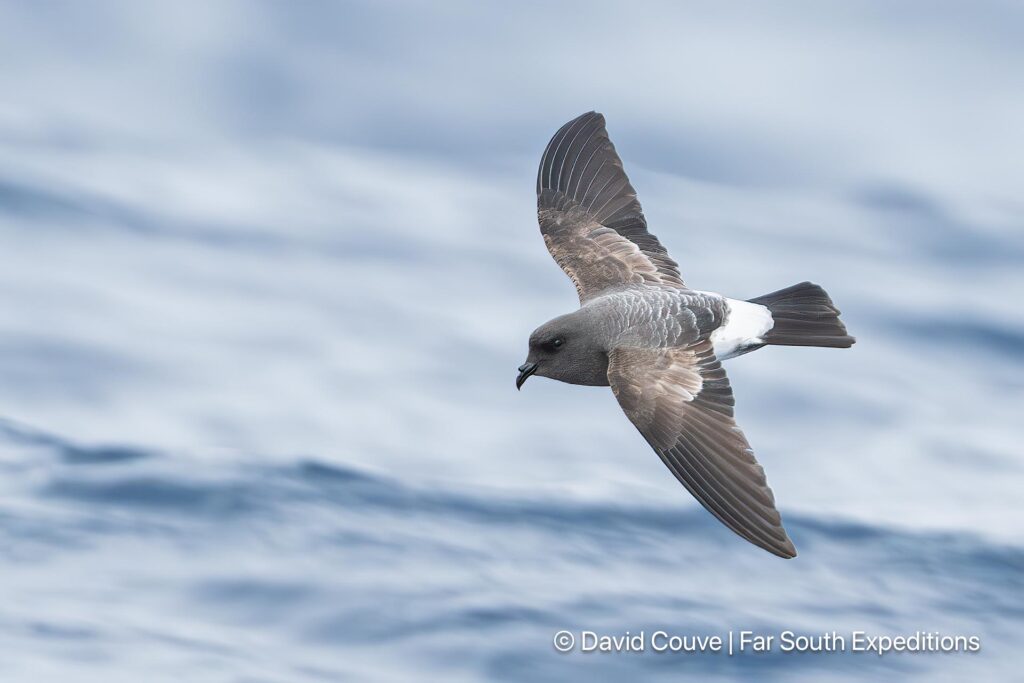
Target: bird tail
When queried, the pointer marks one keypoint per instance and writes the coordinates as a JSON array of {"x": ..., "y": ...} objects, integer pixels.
[{"x": 804, "y": 315}]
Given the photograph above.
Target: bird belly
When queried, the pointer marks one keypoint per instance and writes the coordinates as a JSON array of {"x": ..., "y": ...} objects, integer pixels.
[{"x": 743, "y": 330}]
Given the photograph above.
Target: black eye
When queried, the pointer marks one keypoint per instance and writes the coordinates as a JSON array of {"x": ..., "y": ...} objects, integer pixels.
[{"x": 556, "y": 343}]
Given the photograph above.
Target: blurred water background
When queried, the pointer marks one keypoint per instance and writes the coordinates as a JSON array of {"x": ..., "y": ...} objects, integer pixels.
[{"x": 267, "y": 270}]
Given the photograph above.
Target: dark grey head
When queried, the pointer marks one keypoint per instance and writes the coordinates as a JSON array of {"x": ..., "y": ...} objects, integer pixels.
[{"x": 565, "y": 349}]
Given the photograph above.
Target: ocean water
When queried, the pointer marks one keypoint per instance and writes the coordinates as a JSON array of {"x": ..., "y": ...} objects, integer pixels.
[
  {"x": 127, "y": 564},
  {"x": 267, "y": 275}
]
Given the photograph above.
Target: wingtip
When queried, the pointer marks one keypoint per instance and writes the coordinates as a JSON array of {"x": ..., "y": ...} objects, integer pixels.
[
  {"x": 590, "y": 115},
  {"x": 783, "y": 547},
  {"x": 786, "y": 552}
]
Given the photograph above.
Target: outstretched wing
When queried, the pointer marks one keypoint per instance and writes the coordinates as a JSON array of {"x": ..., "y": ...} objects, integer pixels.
[
  {"x": 681, "y": 401},
  {"x": 589, "y": 215}
]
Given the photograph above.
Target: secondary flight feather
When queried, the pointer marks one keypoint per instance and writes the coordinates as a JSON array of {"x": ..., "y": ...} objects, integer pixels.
[{"x": 657, "y": 343}]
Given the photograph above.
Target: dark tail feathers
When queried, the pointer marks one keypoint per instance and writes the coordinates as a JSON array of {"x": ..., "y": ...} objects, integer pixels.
[{"x": 804, "y": 315}]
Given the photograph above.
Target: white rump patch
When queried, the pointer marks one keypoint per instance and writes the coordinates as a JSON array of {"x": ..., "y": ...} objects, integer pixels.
[{"x": 745, "y": 326}]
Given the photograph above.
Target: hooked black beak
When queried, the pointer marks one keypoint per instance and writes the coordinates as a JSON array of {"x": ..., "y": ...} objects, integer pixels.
[{"x": 525, "y": 370}]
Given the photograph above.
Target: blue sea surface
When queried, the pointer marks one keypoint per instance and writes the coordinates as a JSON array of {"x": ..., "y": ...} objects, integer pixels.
[
  {"x": 127, "y": 564},
  {"x": 267, "y": 272}
]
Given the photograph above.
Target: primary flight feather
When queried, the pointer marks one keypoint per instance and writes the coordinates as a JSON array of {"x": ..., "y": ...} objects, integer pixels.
[{"x": 657, "y": 343}]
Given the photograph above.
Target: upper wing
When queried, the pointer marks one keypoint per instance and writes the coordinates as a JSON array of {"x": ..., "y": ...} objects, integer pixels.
[
  {"x": 589, "y": 215},
  {"x": 681, "y": 401}
]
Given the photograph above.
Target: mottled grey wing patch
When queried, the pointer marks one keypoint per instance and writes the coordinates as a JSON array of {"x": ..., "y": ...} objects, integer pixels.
[
  {"x": 681, "y": 401},
  {"x": 590, "y": 217}
]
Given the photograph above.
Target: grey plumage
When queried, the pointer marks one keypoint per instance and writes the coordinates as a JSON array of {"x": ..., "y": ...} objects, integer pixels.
[{"x": 654, "y": 341}]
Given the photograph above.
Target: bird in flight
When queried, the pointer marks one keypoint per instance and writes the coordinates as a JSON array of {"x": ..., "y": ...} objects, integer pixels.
[{"x": 657, "y": 343}]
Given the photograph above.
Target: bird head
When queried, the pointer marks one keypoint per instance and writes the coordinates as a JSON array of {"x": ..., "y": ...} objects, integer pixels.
[{"x": 564, "y": 349}]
